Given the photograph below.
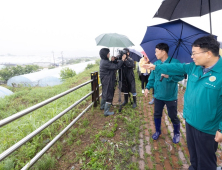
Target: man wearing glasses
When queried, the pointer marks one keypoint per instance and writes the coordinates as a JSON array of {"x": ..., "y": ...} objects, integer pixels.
[{"x": 202, "y": 101}]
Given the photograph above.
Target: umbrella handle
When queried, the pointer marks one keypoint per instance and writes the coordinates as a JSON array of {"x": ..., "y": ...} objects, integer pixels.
[{"x": 161, "y": 78}]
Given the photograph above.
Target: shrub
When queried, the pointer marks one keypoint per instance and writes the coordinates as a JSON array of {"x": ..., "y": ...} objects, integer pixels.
[
  {"x": 97, "y": 62},
  {"x": 67, "y": 73},
  {"x": 89, "y": 66}
]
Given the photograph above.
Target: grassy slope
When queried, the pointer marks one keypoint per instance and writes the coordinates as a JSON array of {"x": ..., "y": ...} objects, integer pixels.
[
  {"x": 120, "y": 131},
  {"x": 28, "y": 96},
  {"x": 98, "y": 142}
]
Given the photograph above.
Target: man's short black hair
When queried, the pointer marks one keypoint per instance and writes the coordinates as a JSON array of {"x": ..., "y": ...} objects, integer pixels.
[
  {"x": 163, "y": 46},
  {"x": 208, "y": 43}
]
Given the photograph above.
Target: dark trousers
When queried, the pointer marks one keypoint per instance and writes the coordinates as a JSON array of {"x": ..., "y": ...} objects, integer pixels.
[
  {"x": 144, "y": 80},
  {"x": 202, "y": 148},
  {"x": 171, "y": 108}
]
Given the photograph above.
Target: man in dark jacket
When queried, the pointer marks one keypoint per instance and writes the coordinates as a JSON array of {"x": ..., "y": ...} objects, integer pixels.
[
  {"x": 128, "y": 79},
  {"x": 107, "y": 77}
]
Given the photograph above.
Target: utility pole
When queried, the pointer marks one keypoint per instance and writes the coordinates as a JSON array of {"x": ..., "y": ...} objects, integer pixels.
[
  {"x": 53, "y": 57},
  {"x": 62, "y": 57}
]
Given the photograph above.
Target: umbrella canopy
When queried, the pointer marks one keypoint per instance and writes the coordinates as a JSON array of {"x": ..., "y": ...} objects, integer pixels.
[
  {"x": 174, "y": 9},
  {"x": 135, "y": 55},
  {"x": 113, "y": 40},
  {"x": 179, "y": 36}
]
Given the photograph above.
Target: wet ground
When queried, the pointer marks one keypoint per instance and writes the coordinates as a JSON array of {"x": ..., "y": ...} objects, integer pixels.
[{"x": 163, "y": 154}]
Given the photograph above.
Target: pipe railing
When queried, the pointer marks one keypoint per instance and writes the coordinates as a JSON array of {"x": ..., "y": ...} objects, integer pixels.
[
  {"x": 95, "y": 98},
  {"x": 39, "y": 105},
  {"x": 41, "y": 128},
  {"x": 47, "y": 147}
]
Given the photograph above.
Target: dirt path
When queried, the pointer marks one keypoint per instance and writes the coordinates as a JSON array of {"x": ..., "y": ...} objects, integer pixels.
[
  {"x": 123, "y": 141},
  {"x": 163, "y": 154}
]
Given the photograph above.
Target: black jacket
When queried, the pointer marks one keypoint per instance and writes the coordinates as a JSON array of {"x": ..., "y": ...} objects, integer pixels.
[
  {"x": 128, "y": 78},
  {"x": 107, "y": 75}
]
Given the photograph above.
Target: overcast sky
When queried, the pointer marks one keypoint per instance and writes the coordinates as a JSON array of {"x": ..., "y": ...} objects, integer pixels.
[{"x": 71, "y": 26}]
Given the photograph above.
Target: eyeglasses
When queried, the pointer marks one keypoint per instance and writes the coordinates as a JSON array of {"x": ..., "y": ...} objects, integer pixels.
[{"x": 198, "y": 53}]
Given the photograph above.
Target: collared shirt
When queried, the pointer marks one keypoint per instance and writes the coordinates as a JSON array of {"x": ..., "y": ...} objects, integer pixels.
[
  {"x": 205, "y": 70},
  {"x": 164, "y": 60}
]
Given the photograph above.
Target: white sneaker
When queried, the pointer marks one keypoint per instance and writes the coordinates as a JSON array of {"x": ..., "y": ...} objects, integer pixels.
[{"x": 142, "y": 91}]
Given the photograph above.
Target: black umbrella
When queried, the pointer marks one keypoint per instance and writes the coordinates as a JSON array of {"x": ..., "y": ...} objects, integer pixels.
[{"x": 174, "y": 9}]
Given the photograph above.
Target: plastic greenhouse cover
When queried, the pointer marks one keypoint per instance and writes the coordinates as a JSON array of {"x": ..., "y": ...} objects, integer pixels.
[
  {"x": 2, "y": 66},
  {"x": 46, "y": 77},
  {"x": 5, "y": 92}
]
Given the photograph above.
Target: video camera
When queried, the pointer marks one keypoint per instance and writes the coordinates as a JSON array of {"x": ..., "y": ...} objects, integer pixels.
[{"x": 120, "y": 55}]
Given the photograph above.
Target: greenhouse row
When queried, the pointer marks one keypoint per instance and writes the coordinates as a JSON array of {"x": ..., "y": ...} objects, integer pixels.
[{"x": 46, "y": 77}]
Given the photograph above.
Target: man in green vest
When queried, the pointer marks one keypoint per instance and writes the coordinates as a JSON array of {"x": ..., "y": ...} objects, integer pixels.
[
  {"x": 165, "y": 92},
  {"x": 202, "y": 101}
]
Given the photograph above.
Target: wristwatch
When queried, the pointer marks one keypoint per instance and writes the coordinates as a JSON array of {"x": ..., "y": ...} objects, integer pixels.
[{"x": 219, "y": 130}]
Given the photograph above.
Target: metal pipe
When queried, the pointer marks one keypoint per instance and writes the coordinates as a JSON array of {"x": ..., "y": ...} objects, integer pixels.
[
  {"x": 47, "y": 147},
  {"x": 210, "y": 16},
  {"x": 32, "y": 108},
  {"x": 41, "y": 128}
]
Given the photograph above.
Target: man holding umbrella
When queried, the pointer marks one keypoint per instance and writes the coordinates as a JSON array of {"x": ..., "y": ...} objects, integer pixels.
[
  {"x": 165, "y": 92},
  {"x": 202, "y": 101}
]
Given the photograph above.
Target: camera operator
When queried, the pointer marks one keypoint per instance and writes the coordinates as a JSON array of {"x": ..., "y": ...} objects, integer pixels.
[
  {"x": 107, "y": 77},
  {"x": 128, "y": 79}
]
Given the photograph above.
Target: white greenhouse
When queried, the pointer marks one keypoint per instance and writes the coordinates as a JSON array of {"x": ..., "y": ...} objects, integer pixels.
[
  {"x": 46, "y": 77},
  {"x": 2, "y": 66},
  {"x": 4, "y": 92}
]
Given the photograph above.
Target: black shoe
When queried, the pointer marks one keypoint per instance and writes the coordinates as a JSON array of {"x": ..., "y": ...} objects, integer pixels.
[
  {"x": 125, "y": 99},
  {"x": 134, "y": 102}
]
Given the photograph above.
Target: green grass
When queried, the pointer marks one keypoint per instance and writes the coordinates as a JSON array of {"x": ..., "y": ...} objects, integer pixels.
[
  {"x": 97, "y": 155},
  {"x": 25, "y": 97},
  {"x": 45, "y": 163},
  {"x": 114, "y": 154}
]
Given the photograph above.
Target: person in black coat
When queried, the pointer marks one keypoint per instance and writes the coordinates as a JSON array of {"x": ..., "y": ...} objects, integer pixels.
[
  {"x": 128, "y": 79},
  {"x": 107, "y": 77}
]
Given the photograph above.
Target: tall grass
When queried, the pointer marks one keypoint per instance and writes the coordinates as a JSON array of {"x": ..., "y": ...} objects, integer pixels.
[{"x": 25, "y": 97}]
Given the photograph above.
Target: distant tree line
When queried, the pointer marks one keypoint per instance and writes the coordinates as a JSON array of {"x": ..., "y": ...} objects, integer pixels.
[
  {"x": 79, "y": 60},
  {"x": 73, "y": 61},
  {"x": 66, "y": 73},
  {"x": 8, "y": 72}
]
